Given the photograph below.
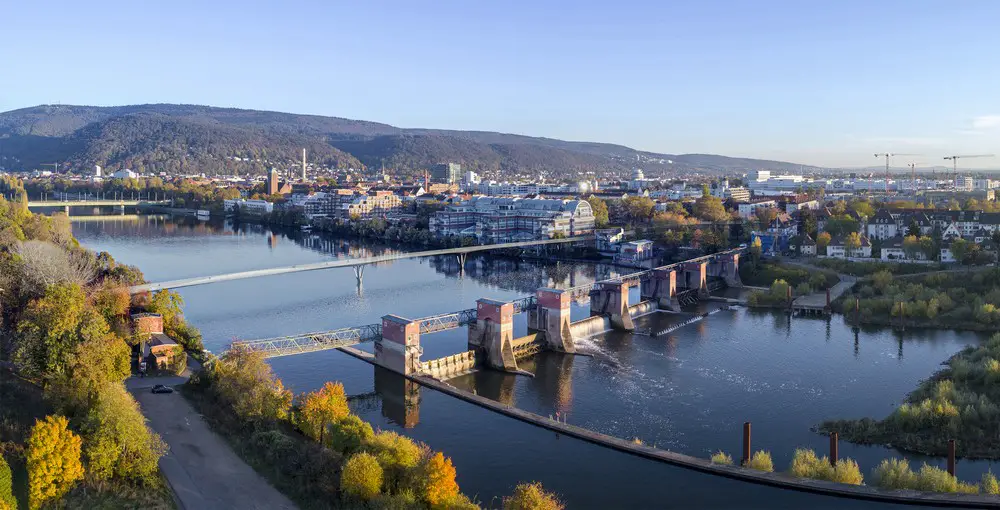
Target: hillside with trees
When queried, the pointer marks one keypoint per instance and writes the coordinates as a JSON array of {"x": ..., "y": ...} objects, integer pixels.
[{"x": 191, "y": 138}]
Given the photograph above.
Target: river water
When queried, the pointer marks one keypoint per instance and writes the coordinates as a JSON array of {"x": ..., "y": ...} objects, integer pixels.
[{"x": 688, "y": 391}]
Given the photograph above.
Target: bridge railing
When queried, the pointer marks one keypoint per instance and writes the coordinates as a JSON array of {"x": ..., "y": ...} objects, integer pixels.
[
  {"x": 310, "y": 342},
  {"x": 447, "y": 321},
  {"x": 526, "y": 303}
]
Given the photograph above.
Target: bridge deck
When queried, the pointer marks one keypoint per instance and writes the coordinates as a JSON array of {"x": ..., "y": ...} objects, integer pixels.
[
  {"x": 91, "y": 203},
  {"x": 188, "y": 282}
]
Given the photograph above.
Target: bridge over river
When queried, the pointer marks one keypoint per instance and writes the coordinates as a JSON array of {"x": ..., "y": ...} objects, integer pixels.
[
  {"x": 357, "y": 263},
  {"x": 490, "y": 324}
]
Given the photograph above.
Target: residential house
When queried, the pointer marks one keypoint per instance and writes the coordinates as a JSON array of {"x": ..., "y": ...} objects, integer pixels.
[
  {"x": 635, "y": 251},
  {"x": 747, "y": 209},
  {"x": 836, "y": 248}
]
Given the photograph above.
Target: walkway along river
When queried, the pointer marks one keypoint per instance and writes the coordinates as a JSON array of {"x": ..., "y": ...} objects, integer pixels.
[{"x": 688, "y": 391}]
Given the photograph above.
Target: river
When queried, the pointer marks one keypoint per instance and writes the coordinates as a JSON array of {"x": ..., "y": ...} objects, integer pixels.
[{"x": 688, "y": 391}]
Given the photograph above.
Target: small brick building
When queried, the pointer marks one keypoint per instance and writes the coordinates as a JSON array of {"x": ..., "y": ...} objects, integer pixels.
[{"x": 156, "y": 344}]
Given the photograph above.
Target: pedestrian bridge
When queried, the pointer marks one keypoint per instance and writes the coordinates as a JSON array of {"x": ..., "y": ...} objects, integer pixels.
[
  {"x": 94, "y": 203},
  {"x": 357, "y": 263}
]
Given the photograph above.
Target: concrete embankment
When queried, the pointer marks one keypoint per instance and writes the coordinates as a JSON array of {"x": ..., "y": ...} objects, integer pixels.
[{"x": 779, "y": 480}]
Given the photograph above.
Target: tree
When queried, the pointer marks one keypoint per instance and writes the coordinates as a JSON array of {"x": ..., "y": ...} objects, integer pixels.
[
  {"x": 245, "y": 382},
  {"x": 913, "y": 229},
  {"x": 7, "y": 500},
  {"x": 45, "y": 264},
  {"x": 862, "y": 208},
  {"x": 349, "y": 434},
  {"x": 119, "y": 444},
  {"x": 531, "y": 496},
  {"x": 639, "y": 208},
  {"x": 53, "y": 460},
  {"x": 807, "y": 222},
  {"x": 710, "y": 208},
  {"x": 911, "y": 246},
  {"x": 362, "y": 476},
  {"x": 960, "y": 250},
  {"x": 852, "y": 243},
  {"x": 319, "y": 409},
  {"x": 49, "y": 330},
  {"x": 439, "y": 481},
  {"x": 600, "y": 209},
  {"x": 822, "y": 241}
]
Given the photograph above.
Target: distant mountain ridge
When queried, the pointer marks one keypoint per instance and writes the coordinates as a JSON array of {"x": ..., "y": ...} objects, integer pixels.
[{"x": 189, "y": 138}]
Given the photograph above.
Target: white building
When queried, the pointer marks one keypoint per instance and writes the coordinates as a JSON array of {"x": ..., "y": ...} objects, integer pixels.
[
  {"x": 125, "y": 173},
  {"x": 965, "y": 183},
  {"x": 496, "y": 220},
  {"x": 747, "y": 210},
  {"x": 250, "y": 206}
]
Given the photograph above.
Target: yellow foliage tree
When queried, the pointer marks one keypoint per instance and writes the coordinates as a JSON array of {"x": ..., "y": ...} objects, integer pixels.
[
  {"x": 362, "y": 476},
  {"x": 53, "y": 460},
  {"x": 321, "y": 408},
  {"x": 531, "y": 496},
  {"x": 439, "y": 476}
]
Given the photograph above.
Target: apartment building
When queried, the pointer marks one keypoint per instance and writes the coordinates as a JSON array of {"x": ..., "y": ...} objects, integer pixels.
[{"x": 497, "y": 220}]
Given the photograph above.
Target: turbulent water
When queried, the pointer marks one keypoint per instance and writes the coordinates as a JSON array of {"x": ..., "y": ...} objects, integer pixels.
[{"x": 687, "y": 390}]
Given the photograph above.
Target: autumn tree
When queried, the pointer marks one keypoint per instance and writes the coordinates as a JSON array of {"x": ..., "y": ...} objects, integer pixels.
[
  {"x": 911, "y": 246},
  {"x": 119, "y": 443},
  {"x": 245, "y": 382},
  {"x": 53, "y": 460},
  {"x": 531, "y": 496},
  {"x": 361, "y": 476},
  {"x": 600, "y": 209},
  {"x": 439, "y": 481},
  {"x": 7, "y": 500},
  {"x": 49, "y": 330},
  {"x": 822, "y": 241},
  {"x": 349, "y": 434},
  {"x": 710, "y": 208},
  {"x": 852, "y": 243},
  {"x": 960, "y": 249},
  {"x": 638, "y": 208},
  {"x": 319, "y": 409}
]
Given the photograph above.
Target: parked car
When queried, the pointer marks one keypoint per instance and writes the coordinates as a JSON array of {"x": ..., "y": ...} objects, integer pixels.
[{"x": 159, "y": 388}]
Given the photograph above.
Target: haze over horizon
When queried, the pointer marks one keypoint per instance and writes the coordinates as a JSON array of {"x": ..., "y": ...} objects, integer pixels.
[{"x": 825, "y": 85}]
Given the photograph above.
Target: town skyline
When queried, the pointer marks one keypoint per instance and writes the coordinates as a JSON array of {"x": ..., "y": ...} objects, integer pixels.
[{"x": 819, "y": 85}]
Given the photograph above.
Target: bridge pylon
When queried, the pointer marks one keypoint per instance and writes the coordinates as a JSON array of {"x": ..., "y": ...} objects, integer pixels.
[
  {"x": 551, "y": 317},
  {"x": 611, "y": 298},
  {"x": 493, "y": 333}
]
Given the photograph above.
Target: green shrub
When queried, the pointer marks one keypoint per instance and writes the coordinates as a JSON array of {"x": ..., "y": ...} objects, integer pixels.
[
  {"x": 6, "y": 486},
  {"x": 721, "y": 457},
  {"x": 847, "y": 471},
  {"x": 361, "y": 477},
  {"x": 402, "y": 500},
  {"x": 349, "y": 434},
  {"x": 933, "y": 479},
  {"x": 989, "y": 484},
  {"x": 531, "y": 496},
  {"x": 761, "y": 461},
  {"x": 398, "y": 455},
  {"x": 805, "y": 464},
  {"x": 180, "y": 363},
  {"x": 894, "y": 474}
]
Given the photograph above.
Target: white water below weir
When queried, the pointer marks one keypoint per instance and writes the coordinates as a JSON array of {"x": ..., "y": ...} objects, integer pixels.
[{"x": 202, "y": 280}]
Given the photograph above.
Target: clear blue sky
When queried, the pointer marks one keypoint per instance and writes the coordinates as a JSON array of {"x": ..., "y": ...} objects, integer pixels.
[{"x": 821, "y": 82}]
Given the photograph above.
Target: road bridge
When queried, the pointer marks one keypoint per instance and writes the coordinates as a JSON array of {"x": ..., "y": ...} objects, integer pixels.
[{"x": 358, "y": 264}]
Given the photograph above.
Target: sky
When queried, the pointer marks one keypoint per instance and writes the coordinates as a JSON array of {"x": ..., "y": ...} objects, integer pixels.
[{"x": 827, "y": 83}]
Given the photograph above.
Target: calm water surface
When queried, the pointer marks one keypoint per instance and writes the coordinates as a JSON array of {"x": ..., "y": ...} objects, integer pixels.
[{"x": 687, "y": 391}]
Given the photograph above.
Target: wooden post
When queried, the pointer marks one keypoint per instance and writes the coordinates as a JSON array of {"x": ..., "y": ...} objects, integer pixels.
[
  {"x": 834, "y": 453},
  {"x": 828, "y": 298},
  {"x": 951, "y": 457},
  {"x": 746, "y": 442}
]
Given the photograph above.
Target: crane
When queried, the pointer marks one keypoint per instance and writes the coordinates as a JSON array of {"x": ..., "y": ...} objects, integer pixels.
[
  {"x": 913, "y": 177},
  {"x": 954, "y": 164},
  {"x": 888, "y": 155}
]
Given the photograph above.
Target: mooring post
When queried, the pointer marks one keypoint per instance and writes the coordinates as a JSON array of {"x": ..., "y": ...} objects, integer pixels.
[
  {"x": 746, "y": 442},
  {"x": 951, "y": 457},
  {"x": 834, "y": 453}
]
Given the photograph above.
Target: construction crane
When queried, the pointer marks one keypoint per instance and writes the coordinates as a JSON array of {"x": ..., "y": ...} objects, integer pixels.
[
  {"x": 954, "y": 164},
  {"x": 887, "y": 155},
  {"x": 913, "y": 177}
]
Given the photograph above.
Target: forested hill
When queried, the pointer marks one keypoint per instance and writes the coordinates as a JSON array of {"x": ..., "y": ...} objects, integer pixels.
[{"x": 191, "y": 138}]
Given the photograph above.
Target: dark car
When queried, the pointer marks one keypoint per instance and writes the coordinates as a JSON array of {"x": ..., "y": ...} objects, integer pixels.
[{"x": 159, "y": 388}]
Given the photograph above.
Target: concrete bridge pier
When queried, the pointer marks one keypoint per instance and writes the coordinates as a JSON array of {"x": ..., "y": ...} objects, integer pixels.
[
  {"x": 611, "y": 298},
  {"x": 493, "y": 333},
  {"x": 696, "y": 277},
  {"x": 662, "y": 287},
  {"x": 551, "y": 317},
  {"x": 399, "y": 348},
  {"x": 731, "y": 269}
]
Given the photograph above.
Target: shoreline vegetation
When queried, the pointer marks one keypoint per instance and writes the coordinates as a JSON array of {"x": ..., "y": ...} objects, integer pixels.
[
  {"x": 313, "y": 449},
  {"x": 960, "y": 402}
]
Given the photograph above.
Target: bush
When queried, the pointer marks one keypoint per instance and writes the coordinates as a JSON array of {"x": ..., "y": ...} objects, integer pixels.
[
  {"x": 531, "y": 496},
  {"x": 805, "y": 464},
  {"x": 53, "y": 460},
  {"x": 803, "y": 289},
  {"x": 6, "y": 486},
  {"x": 180, "y": 362},
  {"x": 847, "y": 471},
  {"x": 349, "y": 434},
  {"x": 933, "y": 479},
  {"x": 317, "y": 410},
  {"x": 119, "y": 444},
  {"x": 362, "y": 476},
  {"x": 438, "y": 474},
  {"x": 761, "y": 461},
  {"x": 396, "y": 454},
  {"x": 989, "y": 484},
  {"x": 723, "y": 458},
  {"x": 894, "y": 474}
]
